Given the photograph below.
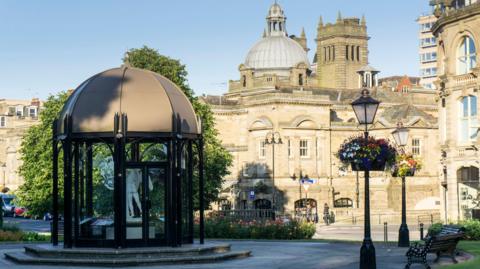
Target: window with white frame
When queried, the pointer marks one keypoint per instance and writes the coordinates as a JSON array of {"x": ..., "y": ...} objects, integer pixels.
[
  {"x": 468, "y": 119},
  {"x": 262, "y": 150},
  {"x": 19, "y": 111},
  {"x": 32, "y": 112},
  {"x": 304, "y": 148},
  {"x": 466, "y": 55},
  {"x": 3, "y": 121},
  {"x": 416, "y": 146}
]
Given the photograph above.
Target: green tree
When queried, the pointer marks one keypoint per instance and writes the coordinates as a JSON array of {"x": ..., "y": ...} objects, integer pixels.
[
  {"x": 217, "y": 158},
  {"x": 36, "y": 155}
]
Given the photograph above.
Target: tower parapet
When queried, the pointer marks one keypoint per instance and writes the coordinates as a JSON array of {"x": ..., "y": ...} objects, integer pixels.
[{"x": 342, "y": 49}]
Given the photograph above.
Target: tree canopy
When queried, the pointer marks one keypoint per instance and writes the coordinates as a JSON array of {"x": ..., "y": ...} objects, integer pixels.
[{"x": 36, "y": 155}]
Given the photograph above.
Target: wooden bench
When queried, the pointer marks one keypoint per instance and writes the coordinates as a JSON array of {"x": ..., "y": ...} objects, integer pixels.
[{"x": 444, "y": 243}]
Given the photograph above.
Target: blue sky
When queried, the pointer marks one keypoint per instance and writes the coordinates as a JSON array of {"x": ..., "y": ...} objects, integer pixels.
[{"x": 49, "y": 46}]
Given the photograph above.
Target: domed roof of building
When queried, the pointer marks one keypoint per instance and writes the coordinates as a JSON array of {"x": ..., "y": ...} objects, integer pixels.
[
  {"x": 151, "y": 103},
  {"x": 276, "y": 52}
]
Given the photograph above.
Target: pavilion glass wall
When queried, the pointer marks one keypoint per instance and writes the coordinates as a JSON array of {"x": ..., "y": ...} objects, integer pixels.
[{"x": 93, "y": 206}]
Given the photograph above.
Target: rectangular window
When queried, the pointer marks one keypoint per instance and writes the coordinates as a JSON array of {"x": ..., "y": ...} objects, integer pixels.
[
  {"x": 289, "y": 148},
  {"x": 262, "y": 150},
  {"x": 32, "y": 112},
  {"x": 304, "y": 148},
  {"x": 468, "y": 119},
  {"x": 19, "y": 111},
  {"x": 3, "y": 121},
  {"x": 416, "y": 147}
]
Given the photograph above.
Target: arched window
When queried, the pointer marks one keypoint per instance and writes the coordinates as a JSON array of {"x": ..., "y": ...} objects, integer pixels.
[
  {"x": 324, "y": 54},
  {"x": 329, "y": 53},
  {"x": 346, "y": 52},
  {"x": 353, "y": 53},
  {"x": 333, "y": 53},
  {"x": 300, "y": 79},
  {"x": 466, "y": 55},
  {"x": 468, "y": 119},
  {"x": 358, "y": 53},
  {"x": 244, "y": 81}
]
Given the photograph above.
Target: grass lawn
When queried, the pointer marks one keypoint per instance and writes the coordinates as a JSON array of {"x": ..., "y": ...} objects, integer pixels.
[{"x": 472, "y": 247}]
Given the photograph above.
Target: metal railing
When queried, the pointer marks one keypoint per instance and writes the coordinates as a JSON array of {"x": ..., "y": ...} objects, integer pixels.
[{"x": 246, "y": 214}]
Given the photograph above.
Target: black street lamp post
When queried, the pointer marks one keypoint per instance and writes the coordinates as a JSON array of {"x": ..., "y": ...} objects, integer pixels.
[
  {"x": 365, "y": 108},
  {"x": 273, "y": 138},
  {"x": 401, "y": 138}
]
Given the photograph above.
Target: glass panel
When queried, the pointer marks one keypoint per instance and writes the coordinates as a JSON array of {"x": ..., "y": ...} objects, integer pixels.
[
  {"x": 464, "y": 130},
  {"x": 153, "y": 152},
  {"x": 134, "y": 193},
  {"x": 465, "y": 106},
  {"x": 471, "y": 46},
  {"x": 473, "y": 105},
  {"x": 97, "y": 207},
  {"x": 156, "y": 203}
]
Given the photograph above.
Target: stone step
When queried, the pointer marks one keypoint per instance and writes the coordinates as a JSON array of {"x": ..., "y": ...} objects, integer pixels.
[
  {"x": 26, "y": 258},
  {"x": 47, "y": 251}
]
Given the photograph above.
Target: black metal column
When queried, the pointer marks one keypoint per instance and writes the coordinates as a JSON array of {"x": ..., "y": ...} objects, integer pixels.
[
  {"x": 403, "y": 233},
  {"x": 119, "y": 188},
  {"x": 76, "y": 184},
  {"x": 89, "y": 180},
  {"x": 367, "y": 251},
  {"x": 178, "y": 191},
  {"x": 170, "y": 229},
  {"x": 201, "y": 191},
  {"x": 55, "y": 183},
  {"x": 67, "y": 183},
  {"x": 190, "y": 192}
]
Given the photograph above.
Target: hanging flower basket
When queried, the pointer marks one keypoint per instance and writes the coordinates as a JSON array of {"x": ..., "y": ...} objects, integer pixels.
[
  {"x": 373, "y": 154},
  {"x": 409, "y": 173},
  {"x": 405, "y": 165},
  {"x": 375, "y": 166}
]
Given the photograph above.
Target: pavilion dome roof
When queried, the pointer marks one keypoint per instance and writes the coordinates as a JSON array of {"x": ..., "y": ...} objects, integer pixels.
[{"x": 151, "y": 103}]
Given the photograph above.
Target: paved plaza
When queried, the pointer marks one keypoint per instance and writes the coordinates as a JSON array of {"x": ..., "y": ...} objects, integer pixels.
[
  {"x": 279, "y": 255},
  {"x": 355, "y": 232}
]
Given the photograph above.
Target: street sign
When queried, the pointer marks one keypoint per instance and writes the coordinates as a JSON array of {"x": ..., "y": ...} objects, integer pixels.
[
  {"x": 251, "y": 195},
  {"x": 306, "y": 182}
]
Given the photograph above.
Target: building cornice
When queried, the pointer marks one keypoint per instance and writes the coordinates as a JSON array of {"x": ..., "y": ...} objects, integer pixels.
[{"x": 454, "y": 15}]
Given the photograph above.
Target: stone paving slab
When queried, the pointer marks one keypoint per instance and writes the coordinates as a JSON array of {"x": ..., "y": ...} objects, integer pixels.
[{"x": 282, "y": 255}]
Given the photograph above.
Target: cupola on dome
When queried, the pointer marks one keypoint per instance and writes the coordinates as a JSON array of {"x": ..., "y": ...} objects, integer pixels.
[
  {"x": 276, "y": 52},
  {"x": 150, "y": 102}
]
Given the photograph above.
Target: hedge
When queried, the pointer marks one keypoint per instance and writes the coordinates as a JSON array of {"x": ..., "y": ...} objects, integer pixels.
[{"x": 238, "y": 229}]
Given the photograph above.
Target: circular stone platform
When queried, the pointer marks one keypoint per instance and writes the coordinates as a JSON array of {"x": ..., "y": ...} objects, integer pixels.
[{"x": 48, "y": 255}]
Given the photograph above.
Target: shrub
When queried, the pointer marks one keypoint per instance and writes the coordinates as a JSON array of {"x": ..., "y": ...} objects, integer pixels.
[
  {"x": 435, "y": 228},
  {"x": 32, "y": 236},
  {"x": 13, "y": 233},
  {"x": 472, "y": 229},
  {"x": 238, "y": 229}
]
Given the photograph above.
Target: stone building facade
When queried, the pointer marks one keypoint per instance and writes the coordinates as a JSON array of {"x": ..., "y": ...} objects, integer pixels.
[
  {"x": 309, "y": 106},
  {"x": 458, "y": 35},
  {"x": 16, "y": 116}
]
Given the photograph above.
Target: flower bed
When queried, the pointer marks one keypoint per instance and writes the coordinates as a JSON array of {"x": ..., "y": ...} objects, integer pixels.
[
  {"x": 372, "y": 154},
  {"x": 405, "y": 165},
  {"x": 13, "y": 233},
  {"x": 238, "y": 229}
]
